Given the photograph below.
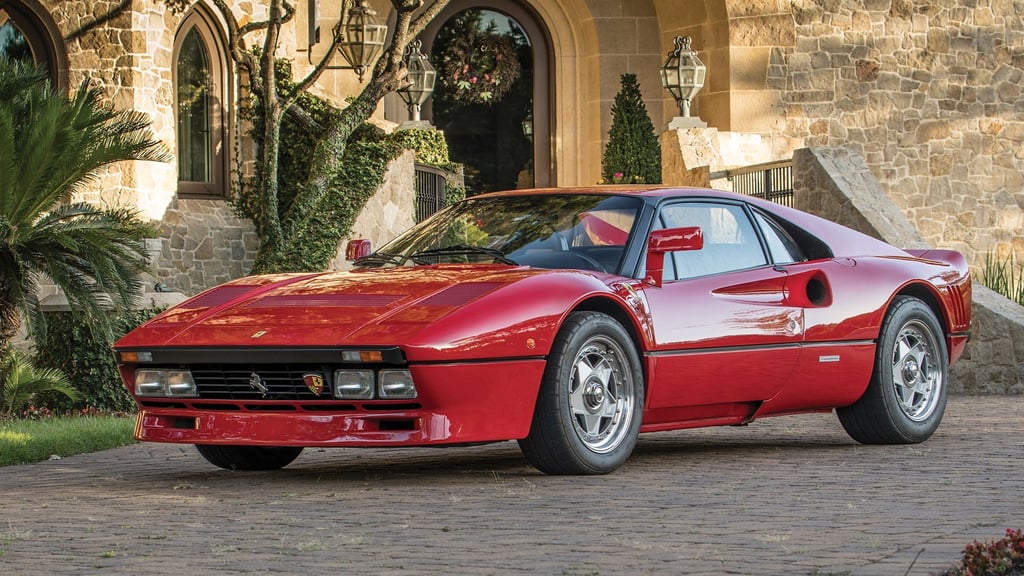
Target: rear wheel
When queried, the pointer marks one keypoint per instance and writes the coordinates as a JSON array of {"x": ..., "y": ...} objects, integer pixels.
[
  {"x": 588, "y": 410},
  {"x": 906, "y": 397},
  {"x": 249, "y": 457}
]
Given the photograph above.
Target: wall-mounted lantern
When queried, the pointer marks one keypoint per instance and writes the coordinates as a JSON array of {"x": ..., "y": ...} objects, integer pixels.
[
  {"x": 360, "y": 37},
  {"x": 683, "y": 74},
  {"x": 421, "y": 77},
  {"x": 528, "y": 126}
]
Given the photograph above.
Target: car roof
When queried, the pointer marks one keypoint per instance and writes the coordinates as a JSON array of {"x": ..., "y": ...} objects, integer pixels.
[
  {"x": 648, "y": 191},
  {"x": 840, "y": 239}
]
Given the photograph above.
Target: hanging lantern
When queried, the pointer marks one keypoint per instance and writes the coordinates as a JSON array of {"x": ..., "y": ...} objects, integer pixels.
[{"x": 361, "y": 38}]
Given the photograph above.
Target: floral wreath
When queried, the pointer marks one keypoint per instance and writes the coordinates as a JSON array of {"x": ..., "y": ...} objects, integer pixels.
[{"x": 479, "y": 68}]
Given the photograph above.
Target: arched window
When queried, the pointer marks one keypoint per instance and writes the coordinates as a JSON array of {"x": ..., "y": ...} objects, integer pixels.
[
  {"x": 201, "y": 92},
  {"x": 28, "y": 34}
]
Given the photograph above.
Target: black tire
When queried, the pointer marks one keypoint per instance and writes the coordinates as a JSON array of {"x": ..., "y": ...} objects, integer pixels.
[
  {"x": 906, "y": 398},
  {"x": 249, "y": 457},
  {"x": 588, "y": 411}
]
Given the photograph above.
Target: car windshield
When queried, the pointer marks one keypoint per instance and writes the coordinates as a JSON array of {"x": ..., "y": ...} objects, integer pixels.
[{"x": 545, "y": 231}]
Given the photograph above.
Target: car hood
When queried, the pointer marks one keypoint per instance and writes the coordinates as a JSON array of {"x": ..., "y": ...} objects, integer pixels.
[{"x": 372, "y": 307}]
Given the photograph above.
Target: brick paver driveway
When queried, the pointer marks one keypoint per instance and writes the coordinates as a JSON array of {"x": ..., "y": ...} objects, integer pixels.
[{"x": 782, "y": 496}]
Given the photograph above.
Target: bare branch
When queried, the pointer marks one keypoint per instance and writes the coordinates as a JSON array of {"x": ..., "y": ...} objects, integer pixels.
[
  {"x": 236, "y": 43},
  {"x": 424, "y": 18},
  {"x": 254, "y": 27},
  {"x": 289, "y": 11},
  {"x": 400, "y": 39}
]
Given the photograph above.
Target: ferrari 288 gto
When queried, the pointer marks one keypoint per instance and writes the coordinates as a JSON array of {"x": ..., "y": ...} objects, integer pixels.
[{"x": 570, "y": 320}]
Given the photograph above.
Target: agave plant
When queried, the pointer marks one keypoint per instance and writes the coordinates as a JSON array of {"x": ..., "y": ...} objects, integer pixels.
[
  {"x": 52, "y": 146},
  {"x": 21, "y": 382}
]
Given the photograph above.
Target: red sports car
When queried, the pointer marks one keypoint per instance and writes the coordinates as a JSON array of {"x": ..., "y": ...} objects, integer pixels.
[{"x": 569, "y": 320}]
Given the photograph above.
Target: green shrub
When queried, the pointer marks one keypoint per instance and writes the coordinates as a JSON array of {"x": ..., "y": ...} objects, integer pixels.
[
  {"x": 633, "y": 154},
  {"x": 430, "y": 147},
  {"x": 86, "y": 357}
]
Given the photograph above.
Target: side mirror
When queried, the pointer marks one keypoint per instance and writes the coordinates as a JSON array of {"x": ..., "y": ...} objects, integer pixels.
[
  {"x": 669, "y": 240},
  {"x": 356, "y": 249}
]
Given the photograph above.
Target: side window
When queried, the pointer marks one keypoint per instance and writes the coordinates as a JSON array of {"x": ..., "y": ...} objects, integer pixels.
[
  {"x": 200, "y": 83},
  {"x": 783, "y": 248},
  {"x": 730, "y": 242}
]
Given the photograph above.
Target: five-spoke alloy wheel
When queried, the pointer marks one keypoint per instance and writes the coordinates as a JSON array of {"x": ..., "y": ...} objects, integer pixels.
[
  {"x": 906, "y": 397},
  {"x": 588, "y": 411}
]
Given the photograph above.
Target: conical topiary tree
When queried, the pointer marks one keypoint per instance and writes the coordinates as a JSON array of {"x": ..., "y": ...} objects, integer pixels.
[{"x": 633, "y": 154}]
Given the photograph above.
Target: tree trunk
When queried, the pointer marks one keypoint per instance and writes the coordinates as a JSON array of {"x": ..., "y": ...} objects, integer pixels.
[
  {"x": 10, "y": 322},
  {"x": 269, "y": 229},
  {"x": 269, "y": 223},
  {"x": 327, "y": 163},
  {"x": 278, "y": 226}
]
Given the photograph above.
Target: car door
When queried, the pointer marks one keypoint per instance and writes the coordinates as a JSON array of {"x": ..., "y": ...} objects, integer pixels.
[{"x": 725, "y": 332}]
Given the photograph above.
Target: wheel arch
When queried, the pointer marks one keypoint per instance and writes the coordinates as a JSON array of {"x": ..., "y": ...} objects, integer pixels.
[
  {"x": 628, "y": 322},
  {"x": 930, "y": 297}
]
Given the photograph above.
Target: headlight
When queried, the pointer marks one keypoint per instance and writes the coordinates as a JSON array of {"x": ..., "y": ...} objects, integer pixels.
[
  {"x": 154, "y": 383},
  {"x": 353, "y": 384},
  {"x": 396, "y": 384}
]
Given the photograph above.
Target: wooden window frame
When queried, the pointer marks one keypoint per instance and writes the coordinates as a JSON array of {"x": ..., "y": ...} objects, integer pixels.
[
  {"x": 44, "y": 38},
  {"x": 204, "y": 24}
]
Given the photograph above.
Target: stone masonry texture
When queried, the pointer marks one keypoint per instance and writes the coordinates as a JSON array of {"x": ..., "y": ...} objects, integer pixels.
[{"x": 930, "y": 93}]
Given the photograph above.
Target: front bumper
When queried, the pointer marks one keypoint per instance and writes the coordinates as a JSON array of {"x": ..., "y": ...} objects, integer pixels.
[{"x": 457, "y": 403}]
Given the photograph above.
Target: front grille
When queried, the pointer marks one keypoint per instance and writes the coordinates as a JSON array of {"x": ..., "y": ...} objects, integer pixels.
[{"x": 282, "y": 381}]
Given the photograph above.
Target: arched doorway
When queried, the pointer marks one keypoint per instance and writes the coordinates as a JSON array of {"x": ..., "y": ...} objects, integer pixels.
[{"x": 495, "y": 114}]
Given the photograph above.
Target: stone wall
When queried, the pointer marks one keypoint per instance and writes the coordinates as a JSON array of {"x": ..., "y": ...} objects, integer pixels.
[
  {"x": 930, "y": 93},
  {"x": 835, "y": 183},
  {"x": 126, "y": 54},
  {"x": 203, "y": 243},
  {"x": 629, "y": 41}
]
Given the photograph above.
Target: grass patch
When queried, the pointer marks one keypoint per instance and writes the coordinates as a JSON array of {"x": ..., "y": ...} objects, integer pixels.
[
  {"x": 1004, "y": 275},
  {"x": 25, "y": 441}
]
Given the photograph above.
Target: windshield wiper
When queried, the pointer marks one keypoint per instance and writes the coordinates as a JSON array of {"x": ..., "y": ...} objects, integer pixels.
[
  {"x": 379, "y": 258},
  {"x": 419, "y": 257}
]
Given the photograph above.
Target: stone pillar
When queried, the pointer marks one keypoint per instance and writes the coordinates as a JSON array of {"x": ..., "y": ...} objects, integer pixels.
[{"x": 689, "y": 152}]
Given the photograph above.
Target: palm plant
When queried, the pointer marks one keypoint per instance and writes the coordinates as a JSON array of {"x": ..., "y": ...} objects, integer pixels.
[
  {"x": 21, "y": 382},
  {"x": 51, "y": 146}
]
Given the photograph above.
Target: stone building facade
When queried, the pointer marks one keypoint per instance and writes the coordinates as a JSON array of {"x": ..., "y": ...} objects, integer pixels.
[{"x": 929, "y": 92}]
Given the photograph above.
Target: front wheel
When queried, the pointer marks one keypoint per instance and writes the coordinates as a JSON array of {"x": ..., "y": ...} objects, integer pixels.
[
  {"x": 249, "y": 457},
  {"x": 588, "y": 411},
  {"x": 906, "y": 398}
]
